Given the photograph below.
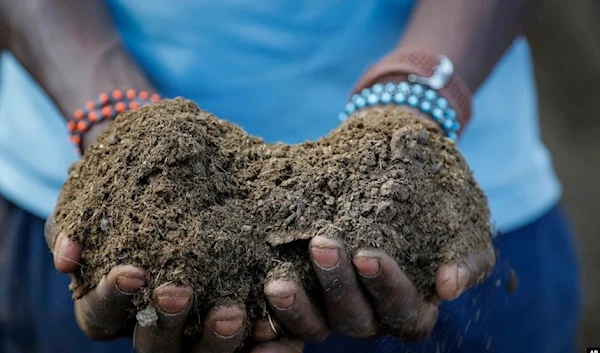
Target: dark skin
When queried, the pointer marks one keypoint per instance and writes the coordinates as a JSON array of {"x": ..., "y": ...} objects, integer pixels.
[{"x": 365, "y": 295}]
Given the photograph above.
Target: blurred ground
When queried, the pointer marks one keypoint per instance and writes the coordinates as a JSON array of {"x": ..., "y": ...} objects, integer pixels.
[{"x": 566, "y": 48}]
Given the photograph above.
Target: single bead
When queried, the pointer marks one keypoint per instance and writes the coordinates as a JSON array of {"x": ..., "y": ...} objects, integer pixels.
[
  {"x": 390, "y": 87},
  {"x": 404, "y": 87},
  {"x": 79, "y": 114},
  {"x": 430, "y": 95},
  {"x": 131, "y": 94},
  {"x": 377, "y": 88},
  {"x": 82, "y": 126},
  {"x": 418, "y": 90},
  {"x": 144, "y": 95},
  {"x": 350, "y": 108},
  {"x": 365, "y": 92},
  {"x": 155, "y": 97},
  {"x": 93, "y": 116},
  {"x": 437, "y": 114},
  {"x": 342, "y": 116},
  {"x": 372, "y": 99},
  {"x": 442, "y": 103},
  {"x": 412, "y": 101},
  {"x": 120, "y": 107},
  {"x": 104, "y": 99},
  {"x": 453, "y": 136},
  {"x": 360, "y": 102},
  {"x": 117, "y": 94},
  {"x": 386, "y": 98},
  {"x": 75, "y": 139},
  {"x": 456, "y": 126},
  {"x": 107, "y": 112},
  {"x": 447, "y": 124},
  {"x": 450, "y": 114},
  {"x": 426, "y": 107},
  {"x": 399, "y": 98}
]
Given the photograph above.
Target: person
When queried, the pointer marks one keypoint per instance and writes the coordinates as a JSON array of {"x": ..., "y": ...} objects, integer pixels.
[{"x": 282, "y": 70}]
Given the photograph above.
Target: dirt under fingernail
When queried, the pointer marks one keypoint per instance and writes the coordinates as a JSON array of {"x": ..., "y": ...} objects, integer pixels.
[{"x": 196, "y": 201}]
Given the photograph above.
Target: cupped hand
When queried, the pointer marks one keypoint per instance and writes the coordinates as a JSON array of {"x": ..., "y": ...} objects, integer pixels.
[
  {"x": 368, "y": 295},
  {"x": 103, "y": 313}
]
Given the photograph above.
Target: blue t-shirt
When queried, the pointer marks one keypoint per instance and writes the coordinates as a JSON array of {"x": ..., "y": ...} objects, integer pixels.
[{"x": 282, "y": 70}]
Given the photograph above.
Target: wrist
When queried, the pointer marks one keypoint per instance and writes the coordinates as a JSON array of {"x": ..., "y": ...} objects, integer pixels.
[
  {"x": 438, "y": 88},
  {"x": 72, "y": 49},
  {"x": 110, "y": 70},
  {"x": 411, "y": 95},
  {"x": 87, "y": 123},
  {"x": 92, "y": 134}
]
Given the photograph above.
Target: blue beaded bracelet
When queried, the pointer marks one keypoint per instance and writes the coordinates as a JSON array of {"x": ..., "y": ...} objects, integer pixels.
[{"x": 415, "y": 96}]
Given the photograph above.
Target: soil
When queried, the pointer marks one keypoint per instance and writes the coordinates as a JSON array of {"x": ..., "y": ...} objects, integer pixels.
[{"x": 195, "y": 200}]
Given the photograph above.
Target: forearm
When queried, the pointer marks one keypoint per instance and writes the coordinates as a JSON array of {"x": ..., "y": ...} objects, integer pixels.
[
  {"x": 472, "y": 33},
  {"x": 70, "y": 47}
]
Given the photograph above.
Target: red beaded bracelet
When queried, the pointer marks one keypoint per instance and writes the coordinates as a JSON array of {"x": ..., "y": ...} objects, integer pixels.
[{"x": 107, "y": 107}]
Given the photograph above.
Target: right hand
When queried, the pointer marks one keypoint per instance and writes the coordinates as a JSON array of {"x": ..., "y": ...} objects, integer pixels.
[{"x": 103, "y": 313}]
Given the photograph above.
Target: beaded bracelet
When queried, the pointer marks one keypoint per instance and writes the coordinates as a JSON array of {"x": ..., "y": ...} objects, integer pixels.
[
  {"x": 416, "y": 96},
  {"x": 106, "y": 107}
]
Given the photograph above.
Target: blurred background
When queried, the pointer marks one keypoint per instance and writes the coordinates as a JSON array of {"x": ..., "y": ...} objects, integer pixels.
[{"x": 566, "y": 47}]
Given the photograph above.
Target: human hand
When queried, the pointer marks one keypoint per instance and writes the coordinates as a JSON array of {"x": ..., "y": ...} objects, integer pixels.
[
  {"x": 369, "y": 294},
  {"x": 105, "y": 312}
]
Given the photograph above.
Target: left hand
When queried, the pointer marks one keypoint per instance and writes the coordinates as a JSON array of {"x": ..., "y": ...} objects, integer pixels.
[{"x": 369, "y": 294}]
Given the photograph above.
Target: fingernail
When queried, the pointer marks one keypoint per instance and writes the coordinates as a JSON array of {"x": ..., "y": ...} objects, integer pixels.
[
  {"x": 282, "y": 302},
  {"x": 174, "y": 302},
  {"x": 130, "y": 283},
  {"x": 264, "y": 330},
  {"x": 173, "y": 305},
  {"x": 463, "y": 276},
  {"x": 367, "y": 266},
  {"x": 63, "y": 246},
  {"x": 228, "y": 328},
  {"x": 326, "y": 258}
]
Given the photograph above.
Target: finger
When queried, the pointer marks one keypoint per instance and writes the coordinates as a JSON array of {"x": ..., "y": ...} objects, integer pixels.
[
  {"x": 287, "y": 346},
  {"x": 348, "y": 308},
  {"x": 266, "y": 329},
  {"x": 223, "y": 330},
  {"x": 395, "y": 299},
  {"x": 103, "y": 313},
  {"x": 50, "y": 232},
  {"x": 67, "y": 253},
  {"x": 297, "y": 313},
  {"x": 166, "y": 335},
  {"x": 453, "y": 279}
]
